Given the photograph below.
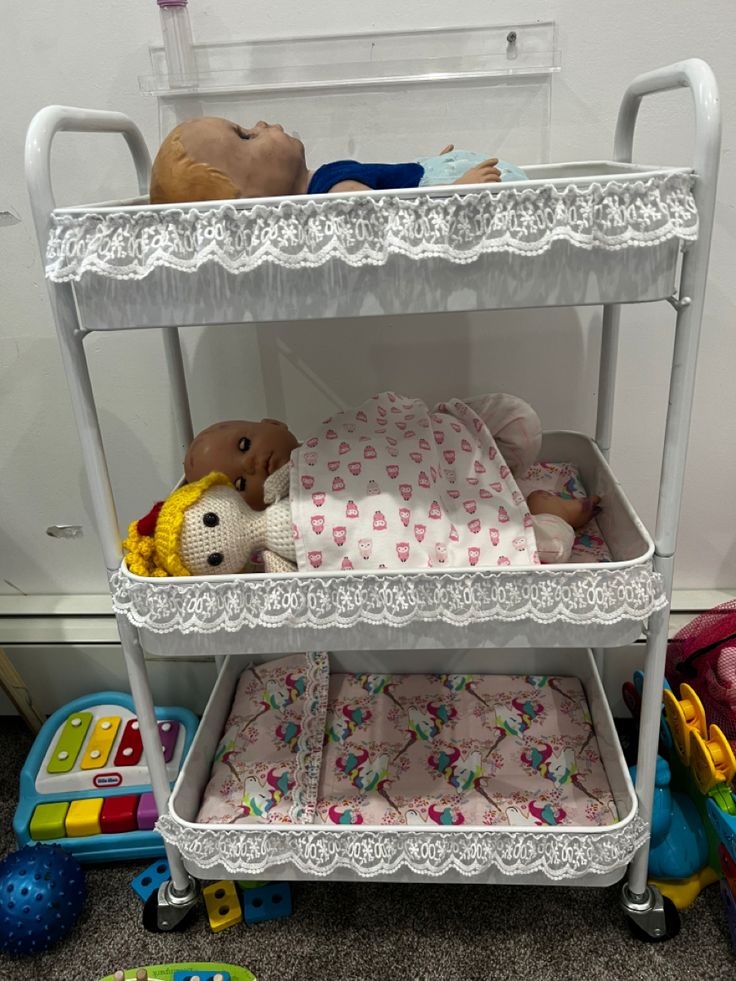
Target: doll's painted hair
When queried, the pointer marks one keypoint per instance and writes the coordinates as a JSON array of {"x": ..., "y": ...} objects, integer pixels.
[{"x": 176, "y": 178}]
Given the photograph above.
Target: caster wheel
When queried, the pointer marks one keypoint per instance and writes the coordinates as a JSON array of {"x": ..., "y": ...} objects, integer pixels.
[
  {"x": 671, "y": 925},
  {"x": 176, "y": 924}
]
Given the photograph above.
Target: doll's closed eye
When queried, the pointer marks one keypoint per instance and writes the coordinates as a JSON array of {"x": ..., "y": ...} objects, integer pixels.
[{"x": 243, "y": 134}]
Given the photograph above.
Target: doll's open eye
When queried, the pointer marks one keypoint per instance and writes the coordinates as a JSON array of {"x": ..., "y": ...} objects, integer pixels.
[
  {"x": 244, "y": 444},
  {"x": 240, "y": 484},
  {"x": 210, "y": 519},
  {"x": 215, "y": 558}
]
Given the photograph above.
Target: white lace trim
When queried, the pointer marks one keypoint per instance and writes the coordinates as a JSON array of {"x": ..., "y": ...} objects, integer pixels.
[
  {"x": 366, "y": 231},
  {"x": 604, "y": 596},
  {"x": 309, "y": 755},
  {"x": 557, "y": 854}
]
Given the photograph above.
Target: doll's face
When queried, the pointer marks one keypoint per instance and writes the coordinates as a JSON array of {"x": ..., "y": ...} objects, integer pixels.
[
  {"x": 209, "y": 158},
  {"x": 246, "y": 452}
]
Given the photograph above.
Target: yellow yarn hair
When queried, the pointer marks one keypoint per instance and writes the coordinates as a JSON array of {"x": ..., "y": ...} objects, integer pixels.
[{"x": 158, "y": 555}]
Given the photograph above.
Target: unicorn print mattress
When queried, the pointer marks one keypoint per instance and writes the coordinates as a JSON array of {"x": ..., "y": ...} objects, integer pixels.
[{"x": 301, "y": 745}]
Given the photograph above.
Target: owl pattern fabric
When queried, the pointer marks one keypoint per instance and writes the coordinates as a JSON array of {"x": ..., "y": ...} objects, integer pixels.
[{"x": 393, "y": 484}]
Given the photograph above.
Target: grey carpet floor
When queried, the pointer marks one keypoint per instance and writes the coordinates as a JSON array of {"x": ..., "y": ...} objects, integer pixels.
[{"x": 370, "y": 931}]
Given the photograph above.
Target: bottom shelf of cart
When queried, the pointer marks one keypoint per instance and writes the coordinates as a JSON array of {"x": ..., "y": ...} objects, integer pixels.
[{"x": 496, "y": 853}]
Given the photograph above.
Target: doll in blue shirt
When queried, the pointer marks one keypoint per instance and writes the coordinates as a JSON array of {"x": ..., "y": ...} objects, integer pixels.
[{"x": 210, "y": 159}]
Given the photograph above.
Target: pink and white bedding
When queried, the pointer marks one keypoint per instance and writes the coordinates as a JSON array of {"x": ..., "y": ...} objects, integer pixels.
[
  {"x": 395, "y": 485},
  {"x": 374, "y": 749}
]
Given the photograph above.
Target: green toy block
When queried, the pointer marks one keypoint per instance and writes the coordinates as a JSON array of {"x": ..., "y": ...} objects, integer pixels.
[{"x": 48, "y": 821}]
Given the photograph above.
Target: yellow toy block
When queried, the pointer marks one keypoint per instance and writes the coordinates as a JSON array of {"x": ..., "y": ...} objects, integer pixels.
[
  {"x": 47, "y": 821},
  {"x": 684, "y": 717},
  {"x": 83, "y": 818},
  {"x": 223, "y": 905}
]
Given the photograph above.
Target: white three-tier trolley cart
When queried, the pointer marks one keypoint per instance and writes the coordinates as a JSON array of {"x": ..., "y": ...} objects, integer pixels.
[{"x": 607, "y": 233}]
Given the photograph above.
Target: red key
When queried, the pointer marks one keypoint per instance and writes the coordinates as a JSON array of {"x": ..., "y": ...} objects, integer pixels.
[{"x": 118, "y": 814}]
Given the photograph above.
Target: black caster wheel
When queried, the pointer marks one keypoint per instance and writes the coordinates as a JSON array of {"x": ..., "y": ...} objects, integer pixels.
[
  {"x": 163, "y": 917},
  {"x": 666, "y": 926}
]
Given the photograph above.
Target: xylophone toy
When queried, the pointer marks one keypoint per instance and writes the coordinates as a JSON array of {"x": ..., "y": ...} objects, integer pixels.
[{"x": 85, "y": 784}]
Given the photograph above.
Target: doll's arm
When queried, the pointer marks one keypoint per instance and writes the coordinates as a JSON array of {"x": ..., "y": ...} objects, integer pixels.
[
  {"x": 483, "y": 173},
  {"x": 342, "y": 186},
  {"x": 514, "y": 425},
  {"x": 277, "y": 485}
]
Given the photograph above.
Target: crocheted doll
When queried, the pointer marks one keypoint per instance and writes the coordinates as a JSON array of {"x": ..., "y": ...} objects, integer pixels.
[
  {"x": 210, "y": 159},
  {"x": 206, "y": 528}
]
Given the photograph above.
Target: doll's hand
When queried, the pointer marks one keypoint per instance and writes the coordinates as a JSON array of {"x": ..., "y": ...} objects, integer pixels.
[
  {"x": 483, "y": 173},
  {"x": 448, "y": 149}
]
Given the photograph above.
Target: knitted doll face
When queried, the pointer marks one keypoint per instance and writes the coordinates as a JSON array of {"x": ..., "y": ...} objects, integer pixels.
[
  {"x": 215, "y": 536},
  {"x": 209, "y": 158},
  {"x": 247, "y": 452}
]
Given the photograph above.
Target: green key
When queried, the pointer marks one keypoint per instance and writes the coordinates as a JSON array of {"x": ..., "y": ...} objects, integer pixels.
[{"x": 70, "y": 742}]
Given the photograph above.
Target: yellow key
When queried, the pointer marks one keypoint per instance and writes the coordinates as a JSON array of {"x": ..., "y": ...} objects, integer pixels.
[
  {"x": 83, "y": 817},
  {"x": 100, "y": 743}
]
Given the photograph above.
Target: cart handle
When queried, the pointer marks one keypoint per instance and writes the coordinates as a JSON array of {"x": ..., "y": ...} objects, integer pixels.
[
  {"x": 696, "y": 75},
  {"x": 41, "y": 132}
]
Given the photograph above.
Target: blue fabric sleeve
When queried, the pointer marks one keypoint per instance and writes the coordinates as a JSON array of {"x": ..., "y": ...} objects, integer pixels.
[{"x": 377, "y": 176}]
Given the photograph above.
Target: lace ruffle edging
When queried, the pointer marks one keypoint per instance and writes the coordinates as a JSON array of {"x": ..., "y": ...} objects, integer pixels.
[
  {"x": 574, "y": 597},
  {"x": 363, "y": 231},
  {"x": 557, "y": 855},
  {"x": 309, "y": 753}
]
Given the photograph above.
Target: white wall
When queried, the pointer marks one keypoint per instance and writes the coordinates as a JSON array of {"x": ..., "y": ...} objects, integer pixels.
[{"x": 91, "y": 53}]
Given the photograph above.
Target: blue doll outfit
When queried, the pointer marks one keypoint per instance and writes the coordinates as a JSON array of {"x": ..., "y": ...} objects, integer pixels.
[{"x": 425, "y": 172}]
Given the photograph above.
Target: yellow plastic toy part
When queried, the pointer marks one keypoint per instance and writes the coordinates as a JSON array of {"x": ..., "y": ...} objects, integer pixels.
[
  {"x": 223, "y": 905},
  {"x": 684, "y": 717},
  {"x": 711, "y": 760},
  {"x": 684, "y": 892}
]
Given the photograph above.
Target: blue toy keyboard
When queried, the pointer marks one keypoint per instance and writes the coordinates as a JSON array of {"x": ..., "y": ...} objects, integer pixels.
[{"x": 85, "y": 784}]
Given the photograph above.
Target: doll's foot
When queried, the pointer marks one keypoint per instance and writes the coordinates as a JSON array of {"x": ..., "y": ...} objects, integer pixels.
[{"x": 575, "y": 511}]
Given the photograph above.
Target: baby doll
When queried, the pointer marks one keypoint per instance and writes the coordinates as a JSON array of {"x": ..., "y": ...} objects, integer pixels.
[
  {"x": 208, "y": 158},
  {"x": 390, "y": 484}
]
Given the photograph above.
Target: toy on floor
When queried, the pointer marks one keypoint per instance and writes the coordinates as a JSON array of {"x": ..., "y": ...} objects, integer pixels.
[
  {"x": 693, "y": 802},
  {"x": 42, "y": 892},
  {"x": 85, "y": 783},
  {"x": 261, "y": 901},
  {"x": 183, "y": 972}
]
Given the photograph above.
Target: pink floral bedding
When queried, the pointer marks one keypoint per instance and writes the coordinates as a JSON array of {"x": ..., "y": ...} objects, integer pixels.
[{"x": 303, "y": 746}]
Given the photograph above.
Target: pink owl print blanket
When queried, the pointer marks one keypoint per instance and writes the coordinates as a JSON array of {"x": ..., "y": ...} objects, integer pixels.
[{"x": 393, "y": 484}]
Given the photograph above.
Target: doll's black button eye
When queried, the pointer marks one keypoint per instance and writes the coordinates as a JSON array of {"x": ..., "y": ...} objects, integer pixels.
[
  {"x": 210, "y": 519},
  {"x": 216, "y": 558}
]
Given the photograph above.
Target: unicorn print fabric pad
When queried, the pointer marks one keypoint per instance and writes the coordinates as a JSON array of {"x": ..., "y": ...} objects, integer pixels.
[{"x": 301, "y": 746}]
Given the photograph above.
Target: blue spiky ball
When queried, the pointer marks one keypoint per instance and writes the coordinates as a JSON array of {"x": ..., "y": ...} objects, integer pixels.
[{"x": 42, "y": 892}]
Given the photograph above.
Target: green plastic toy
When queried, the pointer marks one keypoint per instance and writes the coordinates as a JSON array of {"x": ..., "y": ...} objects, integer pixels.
[{"x": 183, "y": 972}]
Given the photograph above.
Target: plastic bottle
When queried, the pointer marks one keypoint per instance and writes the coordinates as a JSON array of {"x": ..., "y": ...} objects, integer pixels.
[{"x": 178, "y": 44}]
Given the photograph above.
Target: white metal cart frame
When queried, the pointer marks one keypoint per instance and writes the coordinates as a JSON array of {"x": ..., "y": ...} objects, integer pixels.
[{"x": 642, "y": 903}]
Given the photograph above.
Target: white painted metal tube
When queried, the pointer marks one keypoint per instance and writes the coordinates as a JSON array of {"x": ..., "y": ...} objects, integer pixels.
[
  {"x": 178, "y": 387},
  {"x": 607, "y": 377},
  {"x": 57, "y": 119},
  {"x": 696, "y": 75},
  {"x": 41, "y": 132},
  {"x": 651, "y": 713},
  {"x": 140, "y": 689}
]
